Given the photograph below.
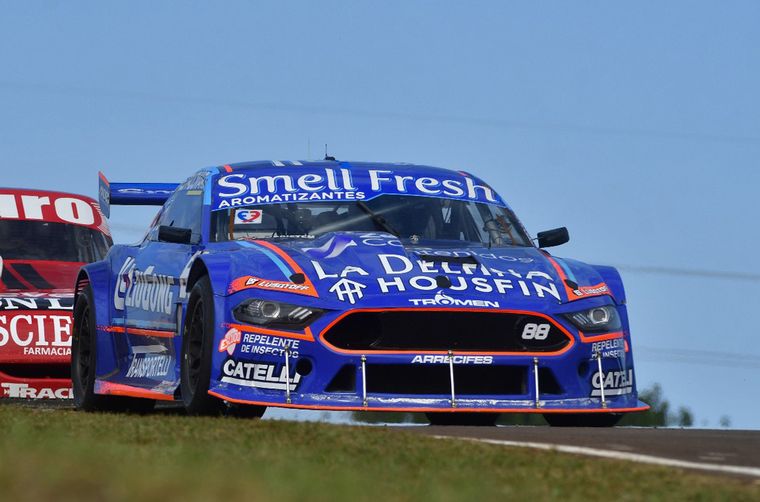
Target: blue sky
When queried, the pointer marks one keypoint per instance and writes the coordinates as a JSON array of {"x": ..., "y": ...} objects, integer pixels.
[{"x": 637, "y": 125}]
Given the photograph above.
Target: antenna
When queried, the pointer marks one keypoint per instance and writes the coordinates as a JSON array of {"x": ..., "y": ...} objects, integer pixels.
[{"x": 328, "y": 157}]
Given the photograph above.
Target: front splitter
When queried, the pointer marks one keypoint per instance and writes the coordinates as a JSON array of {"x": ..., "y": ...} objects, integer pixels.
[{"x": 416, "y": 404}]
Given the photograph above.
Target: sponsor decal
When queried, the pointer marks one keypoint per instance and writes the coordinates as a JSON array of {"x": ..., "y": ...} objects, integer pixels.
[
  {"x": 250, "y": 281},
  {"x": 271, "y": 186},
  {"x": 258, "y": 375},
  {"x": 457, "y": 359},
  {"x": 442, "y": 300},
  {"x": 599, "y": 289},
  {"x": 254, "y": 343},
  {"x": 145, "y": 290},
  {"x": 36, "y": 301},
  {"x": 104, "y": 191},
  {"x": 148, "y": 365},
  {"x": 336, "y": 245},
  {"x": 381, "y": 240},
  {"x": 348, "y": 290},
  {"x": 333, "y": 248},
  {"x": 248, "y": 216},
  {"x": 616, "y": 383},
  {"x": 31, "y": 333},
  {"x": 230, "y": 341},
  {"x": 23, "y": 205},
  {"x": 25, "y": 391},
  {"x": 465, "y": 254},
  {"x": 143, "y": 191},
  {"x": 402, "y": 274},
  {"x": 302, "y": 236},
  {"x": 572, "y": 289},
  {"x": 609, "y": 348}
]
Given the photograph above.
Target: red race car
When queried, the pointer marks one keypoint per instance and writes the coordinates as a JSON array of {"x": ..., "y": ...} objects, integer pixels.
[{"x": 44, "y": 238}]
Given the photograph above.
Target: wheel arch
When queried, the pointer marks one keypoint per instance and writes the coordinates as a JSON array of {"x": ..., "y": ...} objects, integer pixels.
[
  {"x": 216, "y": 266},
  {"x": 612, "y": 278},
  {"x": 97, "y": 276},
  {"x": 83, "y": 279},
  {"x": 197, "y": 270}
]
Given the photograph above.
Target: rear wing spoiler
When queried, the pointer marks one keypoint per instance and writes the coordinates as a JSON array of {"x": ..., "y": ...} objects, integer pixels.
[{"x": 132, "y": 194}]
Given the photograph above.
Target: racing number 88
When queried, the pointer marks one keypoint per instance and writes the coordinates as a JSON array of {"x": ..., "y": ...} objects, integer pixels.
[{"x": 534, "y": 331}]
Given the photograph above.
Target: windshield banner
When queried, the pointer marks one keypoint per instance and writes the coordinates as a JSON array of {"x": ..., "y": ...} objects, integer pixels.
[
  {"x": 317, "y": 184},
  {"x": 33, "y": 205}
]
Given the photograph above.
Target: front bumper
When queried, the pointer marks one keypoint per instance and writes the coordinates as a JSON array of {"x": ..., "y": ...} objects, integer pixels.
[
  {"x": 300, "y": 370},
  {"x": 35, "y": 349},
  {"x": 15, "y": 387}
]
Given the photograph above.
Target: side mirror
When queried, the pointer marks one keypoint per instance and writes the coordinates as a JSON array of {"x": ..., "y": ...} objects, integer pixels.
[
  {"x": 553, "y": 237},
  {"x": 174, "y": 234}
]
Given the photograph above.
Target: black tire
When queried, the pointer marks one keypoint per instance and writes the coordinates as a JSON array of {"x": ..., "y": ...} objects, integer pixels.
[
  {"x": 84, "y": 356},
  {"x": 582, "y": 419},
  {"x": 197, "y": 350},
  {"x": 453, "y": 418}
]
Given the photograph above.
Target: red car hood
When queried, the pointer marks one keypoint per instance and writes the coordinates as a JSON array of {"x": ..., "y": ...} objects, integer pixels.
[{"x": 27, "y": 276}]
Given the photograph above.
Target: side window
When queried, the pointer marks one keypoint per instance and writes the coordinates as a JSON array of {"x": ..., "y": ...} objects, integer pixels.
[{"x": 183, "y": 210}]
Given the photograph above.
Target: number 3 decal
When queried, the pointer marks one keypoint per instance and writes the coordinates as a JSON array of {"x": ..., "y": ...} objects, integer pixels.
[{"x": 535, "y": 331}]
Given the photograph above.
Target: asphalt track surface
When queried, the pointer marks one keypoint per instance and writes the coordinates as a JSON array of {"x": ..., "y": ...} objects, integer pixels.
[
  {"x": 733, "y": 453},
  {"x": 728, "y": 452}
]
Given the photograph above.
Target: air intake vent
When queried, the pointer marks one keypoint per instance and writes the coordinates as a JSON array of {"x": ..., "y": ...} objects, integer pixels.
[
  {"x": 434, "y": 379},
  {"x": 443, "y": 330}
]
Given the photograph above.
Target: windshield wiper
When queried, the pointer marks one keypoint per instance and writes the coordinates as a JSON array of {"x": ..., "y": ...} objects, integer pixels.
[{"x": 377, "y": 219}]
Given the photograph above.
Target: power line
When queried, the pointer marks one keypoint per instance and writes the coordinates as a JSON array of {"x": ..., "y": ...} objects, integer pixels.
[
  {"x": 697, "y": 357},
  {"x": 342, "y": 111},
  {"x": 670, "y": 359},
  {"x": 690, "y": 272},
  {"x": 682, "y": 272},
  {"x": 702, "y": 353}
]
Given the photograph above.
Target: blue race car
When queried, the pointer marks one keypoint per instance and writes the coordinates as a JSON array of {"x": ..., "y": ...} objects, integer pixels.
[{"x": 348, "y": 286}]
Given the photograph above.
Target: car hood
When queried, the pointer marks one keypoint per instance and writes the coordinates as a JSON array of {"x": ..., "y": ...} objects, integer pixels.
[
  {"x": 356, "y": 269},
  {"x": 30, "y": 276}
]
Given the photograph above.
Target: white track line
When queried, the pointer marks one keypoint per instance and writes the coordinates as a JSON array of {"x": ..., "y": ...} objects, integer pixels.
[{"x": 618, "y": 455}]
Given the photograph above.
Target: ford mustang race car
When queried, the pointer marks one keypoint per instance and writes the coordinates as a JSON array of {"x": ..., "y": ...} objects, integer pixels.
[
  {"x": 45, "y": 237},
  {"x": 348, "y": 286}
]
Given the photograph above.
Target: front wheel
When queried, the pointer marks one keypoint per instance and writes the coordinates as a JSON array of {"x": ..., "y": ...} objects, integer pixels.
[
  {"x": 583, "y": 419},
  {"x": 84, "y": 358},
  {"x": 197, "y": 350}
]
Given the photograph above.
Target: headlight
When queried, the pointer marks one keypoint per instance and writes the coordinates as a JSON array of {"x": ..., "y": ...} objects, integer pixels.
[
  {"x": 275, "y": 314},
  {"x": 603, "y": 318}
]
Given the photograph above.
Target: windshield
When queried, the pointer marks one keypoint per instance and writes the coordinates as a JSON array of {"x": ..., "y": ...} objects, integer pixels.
[
  {"x": 407, "y": 217},
  {"x": 42, "y": 240}
]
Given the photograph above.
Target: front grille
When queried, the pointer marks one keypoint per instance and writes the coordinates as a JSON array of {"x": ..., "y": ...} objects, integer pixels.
[
  {"x": 435, "y": 379},
  {"x": 443, "y": 330}
]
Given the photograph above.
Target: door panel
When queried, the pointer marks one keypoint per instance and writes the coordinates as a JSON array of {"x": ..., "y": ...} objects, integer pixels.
[{"x": 156, "y": 296}]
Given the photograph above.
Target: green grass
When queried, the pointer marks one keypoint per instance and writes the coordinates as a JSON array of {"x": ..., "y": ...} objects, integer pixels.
[{"x": 63, "y": 455}]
